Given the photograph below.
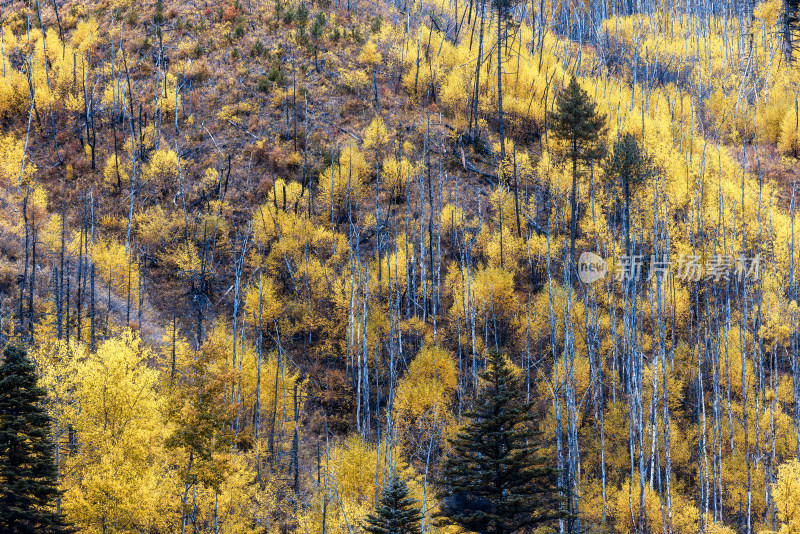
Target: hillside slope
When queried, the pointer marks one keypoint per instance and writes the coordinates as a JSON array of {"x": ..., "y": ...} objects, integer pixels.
[{"x": 260, "y": 253}]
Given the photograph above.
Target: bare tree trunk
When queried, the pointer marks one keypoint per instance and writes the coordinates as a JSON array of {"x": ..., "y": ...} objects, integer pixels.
[
  {"x": 174, "y": 333},
  {"x": 31, "y": 311},
  {"x": 66, "y": 298},
  {"x": 500, "y": 86},
  {"x": 92, "y": 294},
  {"x": 789, "y": 12},
  {"x": 24, "y": 281},
  {"x": 296, "y": 448},
  {"x": 473, "y": 116}
]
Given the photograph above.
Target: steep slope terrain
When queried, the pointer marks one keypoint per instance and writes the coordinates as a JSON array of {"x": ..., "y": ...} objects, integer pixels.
[{"x": 261, "y": 252}]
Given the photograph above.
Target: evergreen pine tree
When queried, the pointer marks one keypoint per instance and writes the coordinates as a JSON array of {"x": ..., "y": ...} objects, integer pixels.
[
  {"x": 495, "y": 480},
  {"x": 626, "y": 169},
  {"x": 397, "y": 513},
  {"x": 580, "y": 127},
  {"x": 28, "y": 476}
]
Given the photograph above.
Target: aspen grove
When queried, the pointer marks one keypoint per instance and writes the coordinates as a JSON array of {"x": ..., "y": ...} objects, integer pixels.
[{"x": 407, "y": 266}]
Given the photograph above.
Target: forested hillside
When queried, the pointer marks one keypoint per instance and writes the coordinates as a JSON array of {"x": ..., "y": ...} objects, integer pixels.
[{"x": 344, "y": 266}]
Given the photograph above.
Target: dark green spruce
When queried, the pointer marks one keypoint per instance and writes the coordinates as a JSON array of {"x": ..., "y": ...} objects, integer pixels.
[
  {"x": 580, "y": 128},
  {"x": 397, "y": 513},
  {"x": 627, "y": 168},
  {"x": 28, "y": 476},
  {"x": 495, "y": 480}
]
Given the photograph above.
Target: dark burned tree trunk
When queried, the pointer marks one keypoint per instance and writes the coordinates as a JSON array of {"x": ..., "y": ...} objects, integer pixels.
[
  {"x": 172, "y": 369},
  {"x": 296, "y": 449},
  {"x": 140, "y": 291},
  {"x": 33, "y": 274},
  {"x": 85, "y": 282},
  {"x": 66, "y": 300},
  {"x": 501, "y": 13},
  {"x": 108, "y": 302},
  {"x": 80, "y": 275},
  {"x": 60, "y": 274},
  {"x": 92, "y": 308},
  {"x": 473, "y": 114},
  {"x": 790, "y": 24},
  {"x": 91, "y": 275},
  {"x": 128, "y": 290}
]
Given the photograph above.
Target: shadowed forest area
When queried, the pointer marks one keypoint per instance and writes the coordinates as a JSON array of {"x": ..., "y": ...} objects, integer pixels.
[{"x": 345, "y": 266}]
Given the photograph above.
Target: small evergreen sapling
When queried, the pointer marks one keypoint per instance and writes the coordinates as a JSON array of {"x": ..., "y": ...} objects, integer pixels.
[{"x": 397, "y": 512}]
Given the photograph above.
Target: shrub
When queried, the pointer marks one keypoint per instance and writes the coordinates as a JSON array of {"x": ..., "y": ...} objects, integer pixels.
[
  {"x": 318, "y": 25},
  {"x": 264, "y": 85},
  {"x": 375, "y": 27},
  {"x": 300, "y": 36},
  {"x": 158, "y": 16},
  {"x": 288, "y": 15},
  {"x": 275, "y": 74},
  {"x": 302, "y": 14},
  {"x": 229, "y": 13},
  {"x": 199, "y": 71},
  {"x": 294, "y": 160},
  {"x": 354, "y": 81},
  {"x": 258, "y": 49},
  {"x": 14, "y": 96},
  {"x": 342, "y": 184},
  {"x": 133, "y": 17}
]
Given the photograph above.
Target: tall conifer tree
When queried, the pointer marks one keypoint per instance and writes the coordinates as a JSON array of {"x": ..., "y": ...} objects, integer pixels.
[
  {"x": 28, "y": 475},
  {"x": 578, "y": 125},
  {"x": 627, "y": 168},
  {"x": 495, "y": 479}
]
